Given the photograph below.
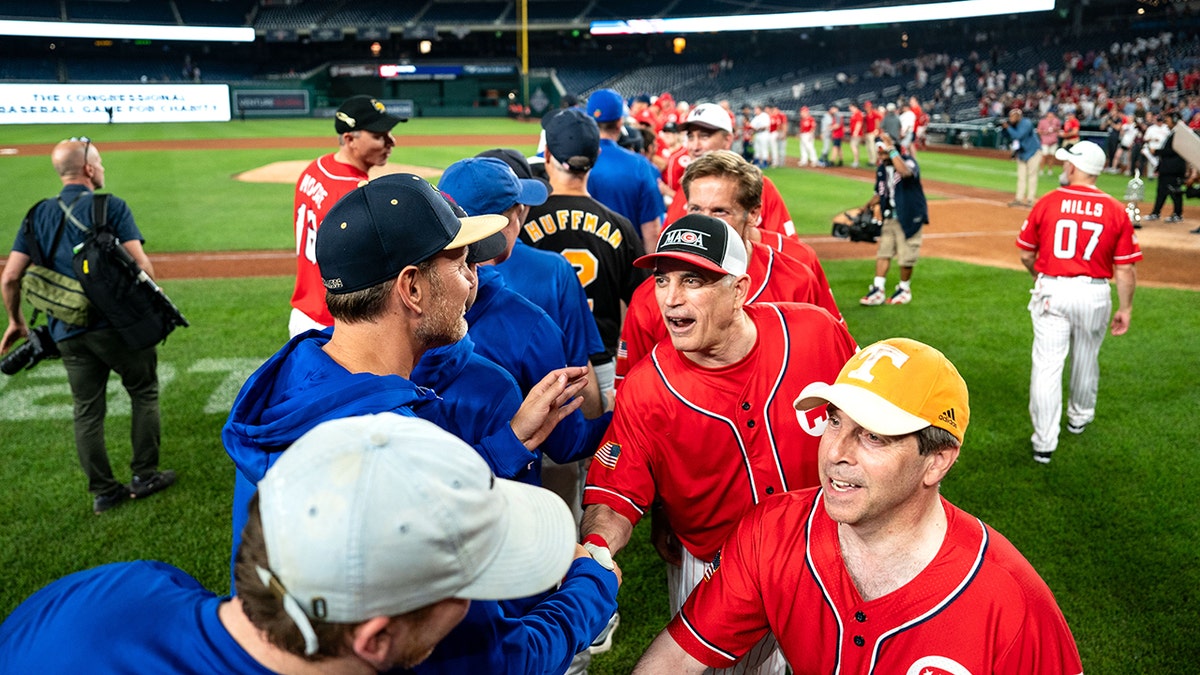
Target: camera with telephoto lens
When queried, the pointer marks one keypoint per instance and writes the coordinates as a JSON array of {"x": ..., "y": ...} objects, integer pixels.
[{"x": 38, "y": 347}]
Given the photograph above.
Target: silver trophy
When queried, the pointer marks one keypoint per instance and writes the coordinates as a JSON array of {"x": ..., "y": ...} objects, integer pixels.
[{"x": 1135, "y": 192}]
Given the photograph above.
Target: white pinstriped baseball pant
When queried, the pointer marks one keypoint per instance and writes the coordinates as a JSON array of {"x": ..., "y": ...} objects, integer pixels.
[
  {"x": 1070, "y": 315},
  {"x": 763, "y": 659}
]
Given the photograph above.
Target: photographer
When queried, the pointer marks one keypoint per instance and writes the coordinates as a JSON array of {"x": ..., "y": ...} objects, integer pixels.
[
  {"x": 1026, "y": 147},
  {"x": 901, "y": 198},
  {"x": 90, "y": 352}
]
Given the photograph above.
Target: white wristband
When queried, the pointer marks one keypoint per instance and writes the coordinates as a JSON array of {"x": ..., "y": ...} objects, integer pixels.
[{"x": 600, "y": 554}]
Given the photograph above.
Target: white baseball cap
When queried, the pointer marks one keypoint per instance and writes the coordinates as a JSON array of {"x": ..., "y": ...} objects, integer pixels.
[
  {"x": 1085, "y": 155},
  {"x": 709, "y": 116},
  {"x": 382, "y": 514}
]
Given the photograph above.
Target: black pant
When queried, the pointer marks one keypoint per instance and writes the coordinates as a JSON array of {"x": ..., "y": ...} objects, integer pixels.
[{"x": 1172, "y": 186}]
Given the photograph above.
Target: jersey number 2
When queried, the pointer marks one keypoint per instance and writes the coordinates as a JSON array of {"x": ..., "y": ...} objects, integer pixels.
[
  {"x": 587, "y": 267},
  {"x": 1066, "y": 238}
]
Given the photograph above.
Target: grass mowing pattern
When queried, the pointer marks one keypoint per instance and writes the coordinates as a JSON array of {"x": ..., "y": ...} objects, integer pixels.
[{"x": 1111, "y": 524}]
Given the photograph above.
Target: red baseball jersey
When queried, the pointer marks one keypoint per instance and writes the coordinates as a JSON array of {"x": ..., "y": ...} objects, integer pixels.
[
  {"x": 773, "y": 278},
  {"x": 677, "y": 163},
  {"x": 874, "y": 119},
  {"x": 1070, "y": 129},
  {"x": 808, "y": 124},
  {"x": 774, "y": 217},
  {"x": 322, "y": 183},
  {"x": 838, "y": 130},
  {"x": 801, "y": 252},
  {"x": 712, "y": 442},
  {"x": 1079, "y": 230},
  {"x": 979, "y": 607},
  {"x": 856, "y": 123}
]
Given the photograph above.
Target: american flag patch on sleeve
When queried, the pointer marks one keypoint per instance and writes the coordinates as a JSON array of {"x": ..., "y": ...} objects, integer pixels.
[
  {"x": 608, "y": 454},
  {"x": 622, "y": 349},
  {"x": 711, "y": 568}
]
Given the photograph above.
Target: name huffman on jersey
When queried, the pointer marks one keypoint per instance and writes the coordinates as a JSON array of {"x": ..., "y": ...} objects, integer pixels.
[{"x": 573, "y": 219}]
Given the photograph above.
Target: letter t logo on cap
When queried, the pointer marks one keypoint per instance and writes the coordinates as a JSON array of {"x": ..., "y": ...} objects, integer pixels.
[{"x": 872, "y": 355}]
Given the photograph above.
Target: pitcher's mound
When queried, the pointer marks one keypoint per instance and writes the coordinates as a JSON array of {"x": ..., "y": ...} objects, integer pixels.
[{"x": 288, "y": 172}]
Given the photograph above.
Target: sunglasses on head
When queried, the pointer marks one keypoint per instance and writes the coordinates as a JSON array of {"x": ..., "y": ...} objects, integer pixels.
[{"x": 87, "y": 145}]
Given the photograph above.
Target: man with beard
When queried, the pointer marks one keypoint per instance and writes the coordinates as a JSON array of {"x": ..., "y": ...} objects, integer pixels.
[{"x": 365, "y": 140}]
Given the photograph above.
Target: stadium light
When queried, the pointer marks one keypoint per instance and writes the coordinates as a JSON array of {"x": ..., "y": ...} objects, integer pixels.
[
  {"x": 126, "y": 31},
  {"x": 842, "y": 17}
]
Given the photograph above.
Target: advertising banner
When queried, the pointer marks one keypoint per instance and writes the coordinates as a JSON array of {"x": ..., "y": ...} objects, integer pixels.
[{"x": 117, "y": 103}]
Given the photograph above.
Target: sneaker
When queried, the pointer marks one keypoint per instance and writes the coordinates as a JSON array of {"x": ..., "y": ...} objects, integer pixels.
[
  {"x": 155, "y": 482},
  {"x": 874, "y": 296},
  {"x": 1152, "y": 216},
  {"x": 902, "y": 296},
  {"x": 1195, "y": 231},
  {"x": 1027, "y": 203},
  {"x": 1174, "y": 219},
  {"x": 1016, "y": 202},
  {"x": 1041, "y": 457},
  {"x": 103, "y": 503},
  {"x": 604, "y": 640},
  {"x": 1076, "y": 428}
]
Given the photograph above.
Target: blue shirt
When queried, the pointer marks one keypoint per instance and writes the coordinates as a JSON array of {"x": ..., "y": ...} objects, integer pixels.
[
  {"x": 520, "y": 338},
  {"x": 131, "y": 617},
  {"x": 46, "y": 219},
  {"x": 547, "y": 280},
  {"x": 499, "y": 639},
  {"x": 621, "y": 181},
  {"x": 1025, "y": 134},
  {"x": 478, "y": 401}
]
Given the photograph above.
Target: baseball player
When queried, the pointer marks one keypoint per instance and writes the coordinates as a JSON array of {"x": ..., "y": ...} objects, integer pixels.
[
  {"x": 700, "y": 425},
  {"x": 779, "y": 124},
  {"x": 856, "y": 132},
  {"x": 547, "y": 280},
  {"x": 874, "y": 572},
  {"x": 722, "y": 185},
  {"x": 1075, "y": 239},
  {"x": 365, "y": 139},
  {"x": 708, "y": 128},
  {"x": 372, "y": 539},
  {"x": 764, "y": 140},
  {"x": 806, "y": 124},
  {"x": 624, "y": 181}
]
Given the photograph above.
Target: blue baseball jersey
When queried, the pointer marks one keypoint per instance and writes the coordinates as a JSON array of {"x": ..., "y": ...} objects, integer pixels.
[
  {"x": 131, "y": 617},
  {"x": 547, "y": 280},
  {"x": 621, "y": 181}
]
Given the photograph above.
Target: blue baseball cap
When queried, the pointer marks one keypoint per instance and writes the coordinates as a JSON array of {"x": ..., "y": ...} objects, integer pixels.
[
  {"x": 605, "y": 105},
  {"x": 394, "y": 221},
  {"x": 483, "y": 185}
]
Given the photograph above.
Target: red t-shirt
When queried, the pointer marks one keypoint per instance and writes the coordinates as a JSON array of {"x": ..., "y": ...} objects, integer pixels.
[
  {"x": 856, "y": 123},
  {"x": 322, "y": 183},
  {"x": 712, "y": 442},
  {"x": 1079, "y": 231},
  {"x": 978, "y": 607}
]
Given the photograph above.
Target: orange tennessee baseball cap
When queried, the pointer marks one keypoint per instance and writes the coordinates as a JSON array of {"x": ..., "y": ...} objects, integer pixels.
[{"x": 895, "y": 387}]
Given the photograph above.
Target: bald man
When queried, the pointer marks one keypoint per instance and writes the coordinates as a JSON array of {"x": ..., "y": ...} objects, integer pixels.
[{"x": 91, "y": 349}]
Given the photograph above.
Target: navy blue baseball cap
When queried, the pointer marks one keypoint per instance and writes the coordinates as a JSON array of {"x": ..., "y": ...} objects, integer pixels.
[
  {"x": 485, "y": 249},
  {"x": 487, "y": 185},
  {"x": 394, "y": 221},
  {"x": 572, "y": 139},
  {"x": 605, "y": 105}
]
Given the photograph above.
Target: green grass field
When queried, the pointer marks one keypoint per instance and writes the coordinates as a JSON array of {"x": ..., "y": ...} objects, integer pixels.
[{"x": 1113, "y": 524}]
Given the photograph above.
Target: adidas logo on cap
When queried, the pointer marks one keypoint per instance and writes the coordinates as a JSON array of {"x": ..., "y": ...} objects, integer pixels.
[{"x": 947, "y": 416}]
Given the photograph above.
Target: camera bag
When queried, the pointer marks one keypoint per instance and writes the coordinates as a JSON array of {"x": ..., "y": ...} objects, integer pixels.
[
  {"x": 50, "y": 292},
  {"x": 118, "y": 288}
]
